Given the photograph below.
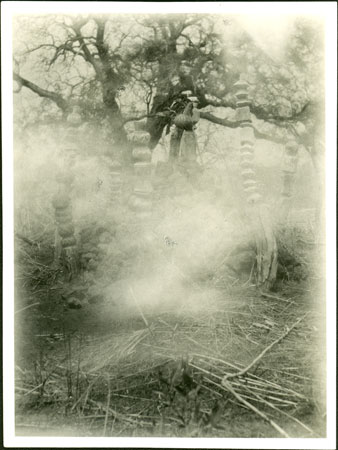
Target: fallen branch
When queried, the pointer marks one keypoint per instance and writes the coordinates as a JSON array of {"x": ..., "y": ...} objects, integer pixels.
[
  {"x": 260, "y": 356},
  {"x": 228, "y": 386},
  {"x": 271, "y": 405},
  {"x": 263, "y": 388}
]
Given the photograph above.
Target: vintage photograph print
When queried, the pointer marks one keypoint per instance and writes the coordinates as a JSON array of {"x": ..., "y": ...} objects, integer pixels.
[{"x": 170, "y": 223}]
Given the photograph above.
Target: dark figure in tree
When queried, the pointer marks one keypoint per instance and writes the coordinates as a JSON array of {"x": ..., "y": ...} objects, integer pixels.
[{"x": 183, "y": 145}]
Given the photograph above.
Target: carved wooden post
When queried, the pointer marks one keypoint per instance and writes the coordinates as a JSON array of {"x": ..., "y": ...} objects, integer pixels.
[
  {"x": 247, "y": 141},
  {"x": 266, "y": 245},
  {"x": 72, "y": 134},
  {"x": 65, "y": 241},
  {"x": 141, "y": 200},
  {"x": 289, "y": 172},
  {"x": 116, "y": 180}
]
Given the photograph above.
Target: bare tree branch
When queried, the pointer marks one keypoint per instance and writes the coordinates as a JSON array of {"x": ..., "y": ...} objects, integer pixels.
[
  {"x": 135, "y": 118},
  {"x": 258, "y": 111},
  {"x": 219, "y": 121},
  {"x": 56, "y": 98},
  {"x": 234, "y": 124},
  {"x": 89, "y": 57}
]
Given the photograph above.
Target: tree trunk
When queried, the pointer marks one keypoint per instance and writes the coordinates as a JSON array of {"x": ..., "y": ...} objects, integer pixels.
[{"x": 120, "y": 142}]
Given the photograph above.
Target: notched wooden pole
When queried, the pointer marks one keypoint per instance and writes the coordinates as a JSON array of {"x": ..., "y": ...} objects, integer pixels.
[
  {"x": 266, "y": 246},
  {"x": 141, "y": 199},
  {"x": 289, "y": 174},
  {"x": 65, "y": 241}
]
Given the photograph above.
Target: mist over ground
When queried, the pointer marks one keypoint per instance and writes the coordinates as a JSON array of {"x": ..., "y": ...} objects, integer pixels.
[
  {"x": 205, "y": 221},
  {"x": 154, "y": 297}
]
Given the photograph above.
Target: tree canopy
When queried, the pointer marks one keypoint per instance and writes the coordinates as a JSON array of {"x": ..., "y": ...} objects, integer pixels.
[{"x": 115, "y": 68}]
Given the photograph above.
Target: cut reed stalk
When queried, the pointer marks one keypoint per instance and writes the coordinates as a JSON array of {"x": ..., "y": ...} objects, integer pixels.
[
  {"x": 107, "y": 407},
  {"x": 260, "y": 356},
  {"x": 271, "y": 405},
  {"x": 228, "y": 386}
]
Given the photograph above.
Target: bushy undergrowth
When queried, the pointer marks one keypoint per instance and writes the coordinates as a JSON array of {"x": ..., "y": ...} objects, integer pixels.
[{"x": 296, "y": 254}]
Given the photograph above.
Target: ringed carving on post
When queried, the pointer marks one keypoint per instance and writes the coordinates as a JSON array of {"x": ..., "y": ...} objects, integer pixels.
[{"x": 266, "y": 245}]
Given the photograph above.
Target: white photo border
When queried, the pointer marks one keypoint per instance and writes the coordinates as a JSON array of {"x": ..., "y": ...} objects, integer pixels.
[{"x": 327, "y": 10}]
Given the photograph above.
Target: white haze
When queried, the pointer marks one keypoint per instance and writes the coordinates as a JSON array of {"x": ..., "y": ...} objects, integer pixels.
[
  {"x": 270, "y": 32},
  {"x": 206, "y": 223}
]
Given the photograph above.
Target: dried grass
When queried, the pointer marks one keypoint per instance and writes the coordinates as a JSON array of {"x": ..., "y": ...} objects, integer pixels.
[
  {"x": 246, "y": 349},
  {"x": 255, "y": 352}
]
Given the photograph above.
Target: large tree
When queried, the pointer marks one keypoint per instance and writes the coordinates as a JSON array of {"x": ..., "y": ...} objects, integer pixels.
[
  {"x": 76, "y": 61},
  {"x": 115, "y": 69},
  {"x": 89, "y": 60}
]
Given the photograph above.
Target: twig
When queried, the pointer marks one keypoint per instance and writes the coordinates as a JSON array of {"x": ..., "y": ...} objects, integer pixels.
[
  {"x": 286, "y": 373},
  {"x": 260, "y": 356},
  {"x": 283, "y": 412},
  {"x": 85, "y": 395},
  {"x": 118, "y": 416},
  {"x": 37, "y": 387},
  {"x": 276, "y": 386},
  {"x": 133, "y": 397},
  {"x": 140, "y": 311},
  {"x": 240, "y": 385},
  {"x": 27, "y": 391},
  {"x": 211, "y": 390},
  {"x": 251, "y": 272},
  {"x": 223, "y": 388},
  {"x": 274, "y": 297},
  {"x": 228, "y": 386},
  {"x": 107, "y": 408},
  {"x": 263, "y": 388},
  {"x": 27, "y": 240},
  {"x": 206, "y": 371},
  {"x": 212, "y": 357},
  {"x": 32, "y": 425},
  {"x": 69, "y": 366},
  {"x": 26, "y": 307},
  {"x": 78, "y": 370},
  {"x": 95, "y": 416},
  {"x": 256, "y": 379}
]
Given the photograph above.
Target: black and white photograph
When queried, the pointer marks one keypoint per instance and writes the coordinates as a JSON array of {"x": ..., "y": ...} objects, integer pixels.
[{"x": 169, "y": 199}]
